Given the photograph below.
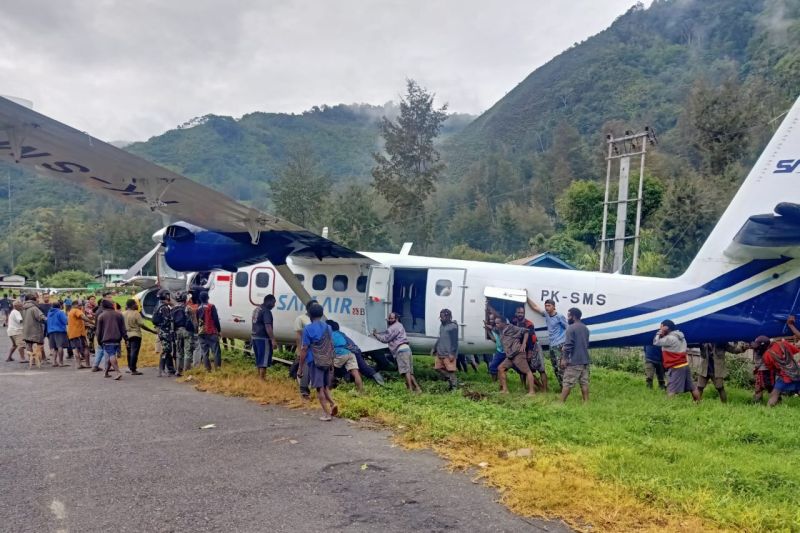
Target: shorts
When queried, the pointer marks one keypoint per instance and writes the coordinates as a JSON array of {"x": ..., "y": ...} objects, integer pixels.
[
  {"x": 680, "y": 380},
  {"x": 497, "y": 359},
  {"x": 79, "y": 343},
  {"x": 536, "y": 361},
  {"x": 702, "y": 381},
  {"x": 519, "y": 361},
  {"x": 262, "y": 347},
  {"x": 445, "y": 363},
  {"x": 576, "y": 374},
  {"x": 318, "y": 377},
  {"x": 348, "y": 361},
  {"x": 786, "y": 388},
  {"x": 403, "y": 358},
  {"x": 111, "y": 349},
  {"x": 58, "y": 340},
  {"x": 16, "y": 341}
]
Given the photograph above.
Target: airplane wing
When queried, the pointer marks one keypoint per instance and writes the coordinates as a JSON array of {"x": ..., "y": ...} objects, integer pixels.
[{"x": 56, "y": 150}]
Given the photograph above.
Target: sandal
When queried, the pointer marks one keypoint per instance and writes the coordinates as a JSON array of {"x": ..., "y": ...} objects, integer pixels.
[{"x": 325, "y": 418}]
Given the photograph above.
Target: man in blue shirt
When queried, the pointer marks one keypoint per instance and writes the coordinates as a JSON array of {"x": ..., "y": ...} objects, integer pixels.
[
  {"x": 653, "y": 366},
  {"x": 556, "y": 333}
]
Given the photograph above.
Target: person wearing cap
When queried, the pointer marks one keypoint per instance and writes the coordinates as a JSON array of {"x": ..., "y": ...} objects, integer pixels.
[
  {"x": 673, "y": 352},
  {"x": 162, "y": 319},
  {"x": 779, "y": 357}
]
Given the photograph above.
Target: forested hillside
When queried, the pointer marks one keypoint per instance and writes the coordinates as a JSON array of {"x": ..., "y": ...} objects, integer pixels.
[{"x": 711, "y": 76}]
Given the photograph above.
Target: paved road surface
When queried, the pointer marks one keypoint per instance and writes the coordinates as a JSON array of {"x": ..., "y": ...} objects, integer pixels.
[{"x": 79, "y": 453}]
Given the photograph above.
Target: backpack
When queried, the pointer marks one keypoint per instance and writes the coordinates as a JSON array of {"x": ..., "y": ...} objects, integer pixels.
[
  {"x": 160, "y": 316},
  {"x": 322, "y": 351},
  {"x": 180, "y": 318},
  {"x": 205, "y": 320}
]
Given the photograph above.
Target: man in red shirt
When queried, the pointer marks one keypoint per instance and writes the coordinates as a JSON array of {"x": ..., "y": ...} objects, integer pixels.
[{"x": 779, "y": 357}]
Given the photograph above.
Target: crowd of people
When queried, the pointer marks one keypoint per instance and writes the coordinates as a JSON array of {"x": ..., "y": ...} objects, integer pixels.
[
  {"x": 92, "y": 333},
  {"x": 43, "y": 330}
]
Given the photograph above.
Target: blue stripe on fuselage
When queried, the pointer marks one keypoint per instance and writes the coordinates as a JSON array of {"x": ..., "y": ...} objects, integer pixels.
[
  {"x": 764, "y": 314},
  {"x": 683, "y": 312},
  {"x": 717, "y": 284}
]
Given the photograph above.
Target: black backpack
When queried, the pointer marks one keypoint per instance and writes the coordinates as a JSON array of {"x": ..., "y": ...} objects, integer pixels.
[
  {"x": 180, "y": 318},
  {"x": 159, "y": 318}
]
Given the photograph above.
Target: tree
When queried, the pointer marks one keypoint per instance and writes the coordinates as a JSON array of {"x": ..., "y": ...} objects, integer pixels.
[
  {"x": 353, "y": 221},
  {"x": 407, "y": 175},
  {"x": 68, "y": 278},
  {"x": 300, "y": 191}
]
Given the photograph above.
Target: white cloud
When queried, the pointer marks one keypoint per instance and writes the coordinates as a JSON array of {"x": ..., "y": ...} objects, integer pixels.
[{"x": 129, "y": 70}]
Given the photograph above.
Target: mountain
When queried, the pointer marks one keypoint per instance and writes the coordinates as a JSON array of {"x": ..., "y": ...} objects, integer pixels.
[
  {"x": 639, "y": 71},
  {"x": 241, "y": 156}
]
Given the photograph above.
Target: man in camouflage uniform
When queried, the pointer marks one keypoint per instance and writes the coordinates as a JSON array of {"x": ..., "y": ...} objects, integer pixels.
[
  {"x": 162, "y": 319},
  {"x": 184, "y": 320}
]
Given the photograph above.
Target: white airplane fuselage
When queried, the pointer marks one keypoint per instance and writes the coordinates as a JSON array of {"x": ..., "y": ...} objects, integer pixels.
[{"x": 620, "y": 310}]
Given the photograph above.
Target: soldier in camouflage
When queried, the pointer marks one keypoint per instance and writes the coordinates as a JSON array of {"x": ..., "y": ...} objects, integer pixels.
[
  {"x": 183, "y": 320},
  {"x": 162, "y": 319}
]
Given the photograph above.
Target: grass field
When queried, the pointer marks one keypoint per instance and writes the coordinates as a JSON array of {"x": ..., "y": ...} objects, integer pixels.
[{"x": 629, "y": 460}]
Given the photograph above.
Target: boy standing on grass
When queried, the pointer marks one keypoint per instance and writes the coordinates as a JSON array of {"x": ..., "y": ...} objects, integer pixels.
[
  {"x": 575, "y": 356},
  {"x": 446, "y": 348},
  {"x": 673, "y": 350}
]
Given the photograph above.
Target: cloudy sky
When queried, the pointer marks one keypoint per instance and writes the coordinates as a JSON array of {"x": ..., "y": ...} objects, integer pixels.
[{"x": 127, "y": 70}]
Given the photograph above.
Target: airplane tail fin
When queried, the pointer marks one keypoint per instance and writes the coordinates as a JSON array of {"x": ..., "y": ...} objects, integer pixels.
[{"x": 763, "y": 219}]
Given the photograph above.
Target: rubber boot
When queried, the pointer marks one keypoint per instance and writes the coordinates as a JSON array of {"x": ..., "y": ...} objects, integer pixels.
[{"x": 649, "y": 383}]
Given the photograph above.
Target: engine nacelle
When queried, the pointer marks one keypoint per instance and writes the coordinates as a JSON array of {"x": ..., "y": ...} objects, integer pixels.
[{"x": 193, "y": 249}]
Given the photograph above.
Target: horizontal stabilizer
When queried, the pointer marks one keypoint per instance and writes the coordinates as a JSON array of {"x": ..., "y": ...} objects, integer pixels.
[{"x": 768, "y": 236}]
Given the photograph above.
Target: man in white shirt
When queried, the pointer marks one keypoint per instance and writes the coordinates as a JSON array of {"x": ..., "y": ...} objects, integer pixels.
[{"x": 15, "y": 332}]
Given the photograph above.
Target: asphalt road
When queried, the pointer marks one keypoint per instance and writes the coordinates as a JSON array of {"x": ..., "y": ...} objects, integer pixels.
[{"x": 79, "y": 453}]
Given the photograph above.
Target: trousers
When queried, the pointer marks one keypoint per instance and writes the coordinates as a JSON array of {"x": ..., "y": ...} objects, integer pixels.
[
  {"x": 209, "y": 346},
  {"x": 184, "y": 349},
  {"x": 134, "y": 345}
]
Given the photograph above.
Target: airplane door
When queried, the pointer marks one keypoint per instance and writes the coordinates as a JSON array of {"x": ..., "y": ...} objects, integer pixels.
[
  {"x": 262, "y": 283},
  {"x": 445, "y": 290},
  {"x": 378, "y": 302}
]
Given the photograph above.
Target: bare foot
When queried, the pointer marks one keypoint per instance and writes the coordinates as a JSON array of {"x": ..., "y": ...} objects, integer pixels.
[{"x": 503, "y": 392}]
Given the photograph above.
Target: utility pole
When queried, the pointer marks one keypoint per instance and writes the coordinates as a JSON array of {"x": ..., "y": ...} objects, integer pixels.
[
  {"x": 10, "y": 224},
  {"x": 622, "y": 149}
]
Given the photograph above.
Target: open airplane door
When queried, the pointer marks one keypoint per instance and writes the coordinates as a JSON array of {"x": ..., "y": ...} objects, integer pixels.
[
  {"x": 378, "y": 302},
  {"x": 445, "y": 290}
]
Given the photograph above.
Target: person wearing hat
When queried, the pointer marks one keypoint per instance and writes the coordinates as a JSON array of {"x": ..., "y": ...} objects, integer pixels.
[
  {"x": 779, "y": 358},
  {"x": 673, "y": 352},
  {"x": 162, "y": 319}
]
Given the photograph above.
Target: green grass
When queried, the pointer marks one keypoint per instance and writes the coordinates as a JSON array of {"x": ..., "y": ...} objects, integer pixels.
[{"x": 734, "y": 466}]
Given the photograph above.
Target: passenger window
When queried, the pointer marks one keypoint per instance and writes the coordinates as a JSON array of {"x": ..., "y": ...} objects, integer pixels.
[
  {"x": 319, "y": 282},
  {"x": 241, "y": 279},
  {"x": 340, "y": 283},
  {"x": 444, "y": 287},
  {"x": 301, "y": 278},
  {"x": 361, "y": 284},
  {"x": 262, "y": 280}
]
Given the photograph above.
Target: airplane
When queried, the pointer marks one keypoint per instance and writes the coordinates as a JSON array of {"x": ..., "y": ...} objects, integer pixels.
[{"x": 742, "y": 283}]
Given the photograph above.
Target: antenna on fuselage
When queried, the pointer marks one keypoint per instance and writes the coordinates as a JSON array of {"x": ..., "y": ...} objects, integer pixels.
[{"x": 406, "y": 249}]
